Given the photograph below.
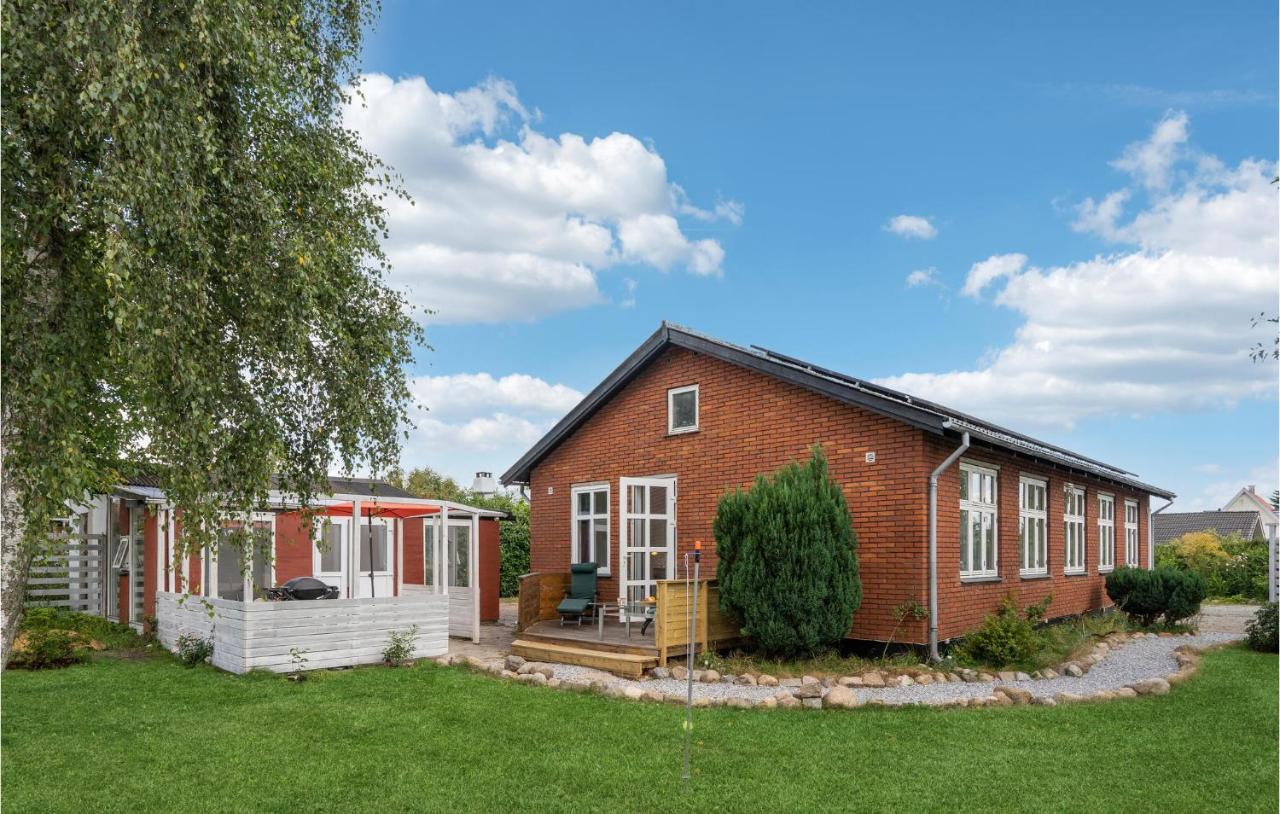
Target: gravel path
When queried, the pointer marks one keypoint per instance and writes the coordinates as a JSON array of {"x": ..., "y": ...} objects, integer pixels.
[{"x": 1133, "y": 661}]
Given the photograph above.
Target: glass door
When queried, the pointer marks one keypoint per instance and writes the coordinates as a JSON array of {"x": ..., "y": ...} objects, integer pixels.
[{"x": 647, "y": 538}]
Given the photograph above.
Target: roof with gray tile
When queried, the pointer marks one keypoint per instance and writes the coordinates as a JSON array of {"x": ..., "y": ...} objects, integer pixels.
[{"x": 1168, "y": 526}]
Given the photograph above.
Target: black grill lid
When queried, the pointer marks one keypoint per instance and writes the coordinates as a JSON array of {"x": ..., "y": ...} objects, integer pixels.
[{"x": 306, "y": 588}]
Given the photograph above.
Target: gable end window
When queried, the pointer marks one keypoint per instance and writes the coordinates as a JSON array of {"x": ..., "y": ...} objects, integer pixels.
[
  {"x": 591, "y": 526},
  {"x": 1131, "y": 533},
  {"x": 1033, "y": 538},
  {"x": 1073, "y": 530},
  {"x": 682, "y": 409},
  {"x": 977, "y": 522},
  {"x": 1106, "y": 533}
]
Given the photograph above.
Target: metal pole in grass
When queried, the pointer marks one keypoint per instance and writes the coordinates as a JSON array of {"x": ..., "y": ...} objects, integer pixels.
[{"x": 691, "y": 652}]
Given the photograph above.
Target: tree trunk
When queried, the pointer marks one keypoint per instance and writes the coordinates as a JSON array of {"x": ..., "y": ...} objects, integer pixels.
[{"x": 15, "y": 565}]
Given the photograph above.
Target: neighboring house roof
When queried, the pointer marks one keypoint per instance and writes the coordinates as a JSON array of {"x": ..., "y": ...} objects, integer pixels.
[
  {"x": 922, "y": 414},
  {"x": 148, "y": 485},
  {"x": 1249, "y": 498},
  {"x": 1172, "y": 525}
]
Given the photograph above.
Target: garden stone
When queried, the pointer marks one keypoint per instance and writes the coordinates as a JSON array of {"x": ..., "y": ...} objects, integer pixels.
[
  {"x": 701, "y": 701},
  {"x": 709, "y": 676},
  {"x": 536, "y": 678},
  {"x": 747, "y": 680},
  {"x": 1104, "y": 695},
  {"x": 939, "y": 678},
  {"x": 788, "y": 702},
  {"x": 1152, "y": 686},
  {"x": 840, "y": 698},
  {"x": 1048, "y": 673},
  {"x": 1072, "y": 669},
  {"x": 812, "y": 703},
  {"x": 954, "y": 678},
  {"x": 924, "y": 680},
  {"x": 827, "y": 681},
  {"x": 1002, "y": 698},
  {"x": 651, "y": 695},
  {"x": 808, "y": 679},
  {"x": 728, "y": 678},
  {"x": 1017, "y": 694},
  {"x": 1020, "y": 676},
  {"x": 790, "y": 682},
  {"x": 738, "y": 702},
  {"x": 554, "y": 683},
  {"x": 811, "y": 689},
  {"x": 1044, "y": 701},
  {"x": 986, "y": 677},
  {"x": 904, "y": 681},
  {"x": 634, "y": 693},
  {"x": 769, "y": 702},
  {"x": 1068, "y": 698},
  {"x": 697, "y": 675},
  {"x": 513, "y": 662},
  {"x": 767, "y": 681},
  {"x": 674, "y": 698},
  {"x": 873, "y": 679},
  {"x": 851, "y": 681},
  {"x": 509, "y": 674},
  {"x": 1036, "y": 676},
  {"x": 679, "y": 673},
  {"x": 544, "y": 670},
  {"x": 1007, "y": 675},
  {"x": 660, "y": 672},
  {"x": 1126, "y": 692}
]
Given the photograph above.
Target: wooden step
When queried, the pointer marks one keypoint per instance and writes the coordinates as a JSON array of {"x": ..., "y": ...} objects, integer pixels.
[
  {"x": 534, "y": 637},
  {"x": 628, "y": 665}
]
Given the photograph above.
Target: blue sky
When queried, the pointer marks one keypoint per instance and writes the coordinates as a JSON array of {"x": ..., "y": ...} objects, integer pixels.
[{"x": 582, "y": 173}]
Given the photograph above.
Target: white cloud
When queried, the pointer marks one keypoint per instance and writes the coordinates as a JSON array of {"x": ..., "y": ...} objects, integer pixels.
[
  {"x": 470, "y": 422},
  {"x": 921, "y": 277},
  {"x": 508, "y": 223},
  {"x": 1161, "y": 326},
  {"x": 912, "y": 226},
  {"x": 988, "y": 271},
  {"x": 630, "y": 300}
]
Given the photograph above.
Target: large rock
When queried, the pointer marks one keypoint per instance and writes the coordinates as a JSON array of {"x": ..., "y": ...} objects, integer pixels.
[
  {"x": 769, "y": 702},
  {"x": 810, "y": 689},
  {"x": 513, "y": 662},
  {"x": 1044, "y": 701},
  {"x": 679, "y": 673},
  {"x": 634, "y": 693},
  {"x": 1048, "y": 673},
  {"x": 651, "y": 695},
  {"x": 1016, "y": 694},
  {"x": 924, "y": 679},
  {"x": 709, "y": 676},
  {"x": 808, "y": 679},
  {"x": 660, "y": 672},
  {"x": 840, "y": 698},
  {"x": 1007, "y": 675},
  {"x": 747, "y": 680},
  {"x": 1152, "y": 686},
  {"x": 812, "y": 703},
  {"x": 1072, "y": 669},
  {"x": 767, "y": 681},
  {"x": 873, "y": 679},
  {"x": 788, "y": 702},
  {"x": 789, "y": 682},
  {"x": 903, "y": 681},
  {"x": 739, "y": 702},
  {"x": 1126, "y": 692},
  {"x": 851, "y": 681}
]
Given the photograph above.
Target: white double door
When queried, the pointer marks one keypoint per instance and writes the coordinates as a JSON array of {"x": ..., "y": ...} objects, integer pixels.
[
  {"x": 374, "y": 552},
  {"x": 647, "y": 537}
]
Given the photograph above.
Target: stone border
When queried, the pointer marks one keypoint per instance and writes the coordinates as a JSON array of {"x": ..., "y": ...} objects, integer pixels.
[{"x": 828, "y": 693}]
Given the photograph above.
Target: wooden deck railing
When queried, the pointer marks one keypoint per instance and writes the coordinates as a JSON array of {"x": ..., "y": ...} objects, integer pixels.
[
  {"x": 672, "y": 617},
  {"x": 539, "y": 595}
]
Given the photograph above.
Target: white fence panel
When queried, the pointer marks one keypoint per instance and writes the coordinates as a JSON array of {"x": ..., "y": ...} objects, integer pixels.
[
  {"x": 69, "y": 573},
  {"x": 330, "y": 633},
  {"x": 461, "y": 612}
]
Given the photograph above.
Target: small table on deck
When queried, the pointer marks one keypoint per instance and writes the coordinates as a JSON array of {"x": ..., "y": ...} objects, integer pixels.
[{"x": 603, "y": 609}]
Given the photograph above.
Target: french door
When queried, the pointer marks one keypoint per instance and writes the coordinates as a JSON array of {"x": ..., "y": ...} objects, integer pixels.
[{"x": 647, "y": 537}]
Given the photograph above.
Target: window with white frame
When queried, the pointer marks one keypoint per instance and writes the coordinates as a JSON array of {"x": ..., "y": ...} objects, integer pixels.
[
  {"x": 1033, "y": 539},
  {"x": 458, "y": 563},
  {"x": 977, "y": 521},
  {"x": 1106, "y": 532},
  {"x": 1073, "y": 530},
  {"x": 591, "y": 525},
  {"x": 682, "y": 409},
  {"x": 1131, "y": 533}
]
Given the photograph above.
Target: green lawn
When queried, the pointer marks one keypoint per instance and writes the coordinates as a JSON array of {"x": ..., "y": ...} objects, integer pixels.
[{"x": 150, "y": 735}]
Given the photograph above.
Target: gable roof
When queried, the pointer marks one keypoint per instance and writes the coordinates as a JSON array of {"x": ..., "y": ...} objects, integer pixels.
[
  {"x": 1172, "y": 525},
  {"x": 1267, "y": 513},
  {"x": 919, "y": 413}
]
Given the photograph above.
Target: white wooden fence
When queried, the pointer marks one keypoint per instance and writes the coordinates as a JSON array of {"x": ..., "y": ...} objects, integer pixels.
[
  {"x": 68, "y": 574},
  {"x": 329, "y": 632}
]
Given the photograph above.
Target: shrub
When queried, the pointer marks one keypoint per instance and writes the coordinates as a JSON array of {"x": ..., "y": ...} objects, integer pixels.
[
  {"x": 1149, "y": 595},
  {"x": 1197, "y": 551},
  {"x": 788, "y": 571},
  {"x": 1006, "y": 637},
  {"x": 193, "y": 649},
  {"x": 42, "y": 649},
  {"x": 400, "y": 647},
  {"x": 1263, "y": 631},
  {"x": 90, "y": 627}
]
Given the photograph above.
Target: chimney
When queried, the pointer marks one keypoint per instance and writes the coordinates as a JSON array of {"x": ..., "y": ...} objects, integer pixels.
[
  {"x": 1253, "y": 488},
  {"x": 483, "y": 484}
]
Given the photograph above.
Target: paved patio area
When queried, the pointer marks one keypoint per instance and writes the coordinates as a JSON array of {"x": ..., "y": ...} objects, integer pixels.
[
  {"x": 1225, "y": 618},
  {"x": 495, "y": 637}
]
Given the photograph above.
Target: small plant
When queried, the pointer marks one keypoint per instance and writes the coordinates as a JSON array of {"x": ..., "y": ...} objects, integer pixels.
[
  {"x": 194, "y": 649},
  {"x": 298, "y": 661},
  {"x": 1006, "y": 637},
  {"x": 44, "y": 649},
  {"x": 910, "y": 608},
  {"x": 400, "y": 647},
  {"x": 1262, "y": 633}
]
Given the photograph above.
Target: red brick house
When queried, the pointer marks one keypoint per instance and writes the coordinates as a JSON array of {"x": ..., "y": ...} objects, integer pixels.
[{"x": 630, "y": 479}]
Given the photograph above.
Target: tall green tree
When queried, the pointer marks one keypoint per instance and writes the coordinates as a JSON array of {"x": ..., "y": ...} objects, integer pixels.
[
  {"x": 788, "y": 568},
  {"x": 191, "y": 266}
]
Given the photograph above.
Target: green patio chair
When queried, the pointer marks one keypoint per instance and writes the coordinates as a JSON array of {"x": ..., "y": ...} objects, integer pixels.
[{"x": 581, "y": 596}]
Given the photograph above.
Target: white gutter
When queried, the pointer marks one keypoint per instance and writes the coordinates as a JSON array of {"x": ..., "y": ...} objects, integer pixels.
[
  {"x": 1151, "y": 531},
  {"x": 933, "y": 541}
]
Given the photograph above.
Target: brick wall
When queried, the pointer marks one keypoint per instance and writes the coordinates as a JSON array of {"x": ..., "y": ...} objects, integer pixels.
[{"x": 752, "y": 423}]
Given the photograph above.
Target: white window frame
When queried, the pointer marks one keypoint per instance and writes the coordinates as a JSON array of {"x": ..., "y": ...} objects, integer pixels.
[
  {"x": 969, "y": 506},
  {"x": 1027, "y": 518},
  {"x": 1073, "y": 498},
  {"x": 672, "y": 429},
  {"x": 594, "y": 518},
  {"x": 1106, "y": 533},
  {"x": 1132, "y": 548}
]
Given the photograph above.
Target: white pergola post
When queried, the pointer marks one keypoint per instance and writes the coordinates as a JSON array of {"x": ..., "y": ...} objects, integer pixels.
[
  {"x": 473, "y": 573},
  {"x": 442, "y": 550},
  {"x": 353, "y": 551},
  {"x": 399, "y": 556}
]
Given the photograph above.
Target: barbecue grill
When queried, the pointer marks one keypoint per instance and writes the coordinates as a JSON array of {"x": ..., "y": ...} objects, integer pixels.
[{"x": 302, "y": 588}]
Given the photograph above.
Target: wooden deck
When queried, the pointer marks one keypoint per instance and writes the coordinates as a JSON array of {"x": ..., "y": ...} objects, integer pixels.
[{"x": 584, "y": 646}]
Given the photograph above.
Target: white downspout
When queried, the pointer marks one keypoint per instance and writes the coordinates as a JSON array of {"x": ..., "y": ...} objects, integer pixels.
[
  {"x": 1151, "y": 531},
  {"x": 933, "y": 542}
]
